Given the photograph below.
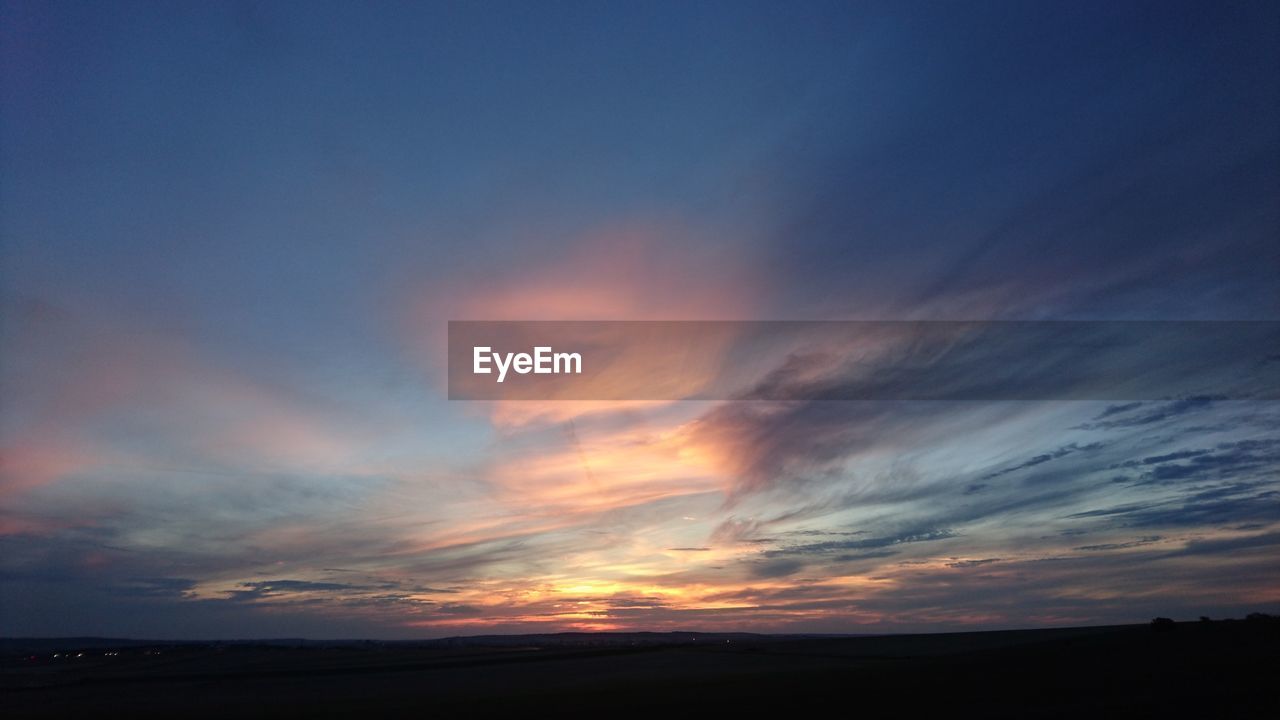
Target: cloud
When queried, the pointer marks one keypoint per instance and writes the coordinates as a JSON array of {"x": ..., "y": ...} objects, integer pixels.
[
  {"x": 1227, "y": 545},
  {"x": 1043, "y": 458},
  {"x": 1208, "y": 508},
  {"x": 80, "y": 394},
  {"x": 869, "y": 555},
  {"x": 831, "y": 546},
  {"x": 266, "y": 588},
  {"x": 1145, "y": 540},
  {"x": 775, "y": 568},
  {"x": 736, "y": 530},
  {"x": 159, "y": 587},
  {"x": 1126, "y": 415},
  {"x": 960, "y": 564},
  {"x": 1228, "y": 460}
]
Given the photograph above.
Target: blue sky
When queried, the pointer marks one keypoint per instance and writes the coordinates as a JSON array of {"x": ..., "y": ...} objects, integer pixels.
[{"x": 233, "y": 233}]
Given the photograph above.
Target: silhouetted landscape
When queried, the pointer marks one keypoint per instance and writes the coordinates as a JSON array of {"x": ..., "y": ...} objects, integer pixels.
[{"x": 1206, "y": 669}]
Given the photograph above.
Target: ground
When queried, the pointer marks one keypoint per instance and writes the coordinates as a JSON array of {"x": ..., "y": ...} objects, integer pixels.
[{"x": 1217, "y": 669}]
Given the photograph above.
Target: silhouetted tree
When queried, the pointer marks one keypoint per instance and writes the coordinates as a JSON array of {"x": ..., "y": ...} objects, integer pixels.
[{"x": 1162, "y": 624}]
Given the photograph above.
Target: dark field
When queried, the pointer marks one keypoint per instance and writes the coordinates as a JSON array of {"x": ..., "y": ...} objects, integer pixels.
[{"x": 1220, "y": 669}]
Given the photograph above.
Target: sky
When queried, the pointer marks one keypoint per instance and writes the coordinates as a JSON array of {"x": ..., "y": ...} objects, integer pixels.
[{"x": 232, "y": 235}]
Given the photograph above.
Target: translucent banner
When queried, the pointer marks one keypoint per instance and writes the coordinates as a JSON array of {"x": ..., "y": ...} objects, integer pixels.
[{"x": 862, "y": 360}]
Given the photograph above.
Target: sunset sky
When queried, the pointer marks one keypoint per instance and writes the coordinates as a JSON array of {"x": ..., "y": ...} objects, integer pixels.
[{"x": 232, "y": 234}]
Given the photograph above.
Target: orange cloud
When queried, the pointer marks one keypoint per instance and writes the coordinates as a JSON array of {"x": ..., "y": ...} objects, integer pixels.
[{"x": 77, "y": 381}]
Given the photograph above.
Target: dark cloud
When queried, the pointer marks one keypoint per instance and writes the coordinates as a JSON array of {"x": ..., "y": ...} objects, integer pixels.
[
  {"x": 1024, "y": 592},
  {"x": 835, "y": 546},
  {"x": 805, "y": 445},
  {"x": 808, "y": 438},
  {"x": 777, "y": 567},
  {"x": 1146, "y": 540},
  {"x": 1117, "y": 409},
  {"x": 169, "y": 588},
  {"x": 459, "y": 609},
  {"x": 635, "y": 601},
  {"x": 1226, "y": 546},
  {"x": 1125, "y": 416},
  {"x": 960, "y": 564},
  {"x": 1042, "y": 458},
  {"x": 272, "y": 588},
  {"x": 1208, "y": 508},
  {"x": 1180, "y": 455},
  {"x": 824, "y": 533},
  {"x": 1228, "y": 460},
  {"x": 1015, "y": 360},
  {"x": 869, "y": 555}
]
